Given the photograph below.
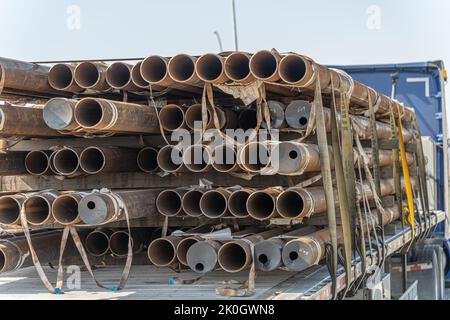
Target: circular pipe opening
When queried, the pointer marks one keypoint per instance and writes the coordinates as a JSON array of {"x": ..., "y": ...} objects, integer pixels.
[
  {"x": 37, "y": 209},
  {"x": 88, "y": 112},
  {"x": 293, "y": 255},
  {"x": 224, "y": 158},
  {"x": 199, "y": 267},
  {"x": 232, "y": 257},
  {"x": 255, "y": 157},
  {"x": 58, "y": 113},
  {"x": 191, "y": 203},
  {"x": 183, "y": 248},
  {"x": 170, "y": 158},
  {"x": 194, "y": 114},
  {"x": 196, "y": 158},
  {"x": 154, "y": 69},
  {"x": 260, "y": 205},
  {"x": 168, "y": 203},
  {"x": 97, "y": 243},
  {"x": 60, "y": 76},
  {"x": 213, "y": 204},
  {"x": 37, "y": 162},
  {"x": 263, "y": 64},
  {"x": 181, "y": 68},
  {"x": 66, "y": 161},
  {"x": 237, "y": 203},
  {"x": 147, "y": 159},
  {"x": 292, "y": 69},
  {"x": 263, "y": 258},
  {"x": 161, "y": 252},
  {"x": 65, "y": 209},
  {"x": 209, "y": 67},
  {"x": 92, "y": 160},
  {"x": 87, "y": 75},
  {"x": 118, "y": 243},
  {"x": 237, "y": 66},
  {"x": 118, "y": 75},
  {"x": 290, "y": 204},
  {"x": 136, "y": 76},
  {"x": 9, "y": 210},
  {"x": 247, "y": 119},
  {"x": 171, "y": 117}
]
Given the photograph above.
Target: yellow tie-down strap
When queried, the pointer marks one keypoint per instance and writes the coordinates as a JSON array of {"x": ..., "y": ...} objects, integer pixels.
[{"x": 407, "y": 179}]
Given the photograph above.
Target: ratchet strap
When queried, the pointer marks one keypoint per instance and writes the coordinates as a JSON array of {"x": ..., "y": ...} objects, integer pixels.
[
  {"x": 407, "y": 179},
  {"x": 332, "y": 246},
  {"x": 344, "y": 204}
]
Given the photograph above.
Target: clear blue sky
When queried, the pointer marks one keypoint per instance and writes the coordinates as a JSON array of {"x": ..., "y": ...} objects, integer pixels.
[{"x": 330, "y": 31}]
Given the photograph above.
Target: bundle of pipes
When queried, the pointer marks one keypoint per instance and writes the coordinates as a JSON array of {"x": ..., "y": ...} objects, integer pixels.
[
  {"x": 171, "y": 250},
  {"x": 263, "y": 204},
  {"x": 102, "y": 241},
  {"x": 72, "y": 162},
  {"x": 300, "y": 253}
]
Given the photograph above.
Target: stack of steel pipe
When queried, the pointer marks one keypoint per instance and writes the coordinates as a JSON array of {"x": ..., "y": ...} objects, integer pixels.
[{"x": 210, "y": 151}]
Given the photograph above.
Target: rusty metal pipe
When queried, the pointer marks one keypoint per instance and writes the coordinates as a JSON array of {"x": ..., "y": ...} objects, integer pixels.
[
  {"x": 197, "y": 158},
  {"x": 58, "y": 114},
  {"x": 224, "y": 158},
  {"x": 10, "y": 206},
  {"x": 210, "y": 68},
  {"x": 21, "y": 76},
  {"x": 38, "y": 162},
  {"x": 267, "y": 253},
  {"x": 236, "y": 255},
  {"x": 276, "y": 111},
  {"x": 247, "y": 119},
  {"x": 264, "y": 65},
  {"x": 172, "y": 117},
  {"x": 97, "y": 242},
  {"x": 162, "y": 252},
  {"x": 97, "y": 208},
  {"x": 12, "y": 163},
  {"x": 91, "y": 75},
  {"x": 237, "y": 202},
  {"x": 95, "y": 160},
  {"x": 66, "y": 162},
  {"x": 147, "y": 159},
  {"x": 181, "y": 69},
  {"x": 214, "y": 203},
  {"x": 184, "y": 245},
  {"x": 65, "y": 208},
  {"x": 14, "y": 254},
  {"x": 38, "y": 208},
  {"x": 101, "y": 115},
  {"x": 170, "y": 159},
  {"x": 201, "y": 256},
  {"x": 194, "y": 114},
  {"x": 24, "y": 122},
  {"x": 237, "y": 68},
  {"x": 118, "y": 76},
  {"x": 169, "y": 202},
  {"x": 254, "y": 157},
  {"x": 118, "y": 242},
  {"x": 61, "y": 77},
  {"x": 261, "y": 205},
  {"x": 190, "y": 202},
  {"x": 137, "y": 78}
]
